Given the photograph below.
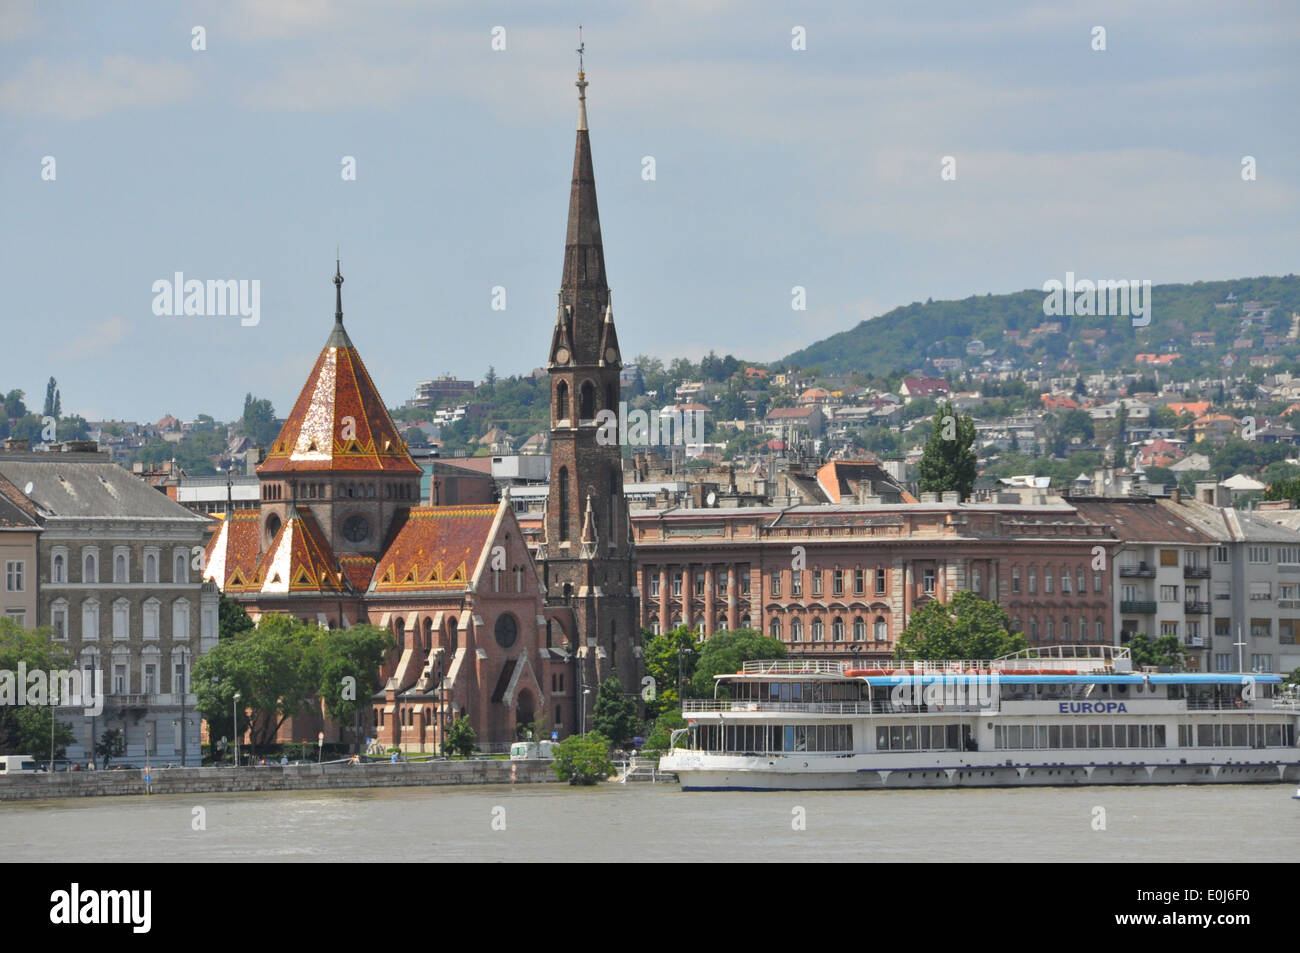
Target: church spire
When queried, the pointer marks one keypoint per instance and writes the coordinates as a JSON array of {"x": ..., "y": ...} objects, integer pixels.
[
  {"x": 338, "y": 337},
  {"x": 581, "y": 84}
]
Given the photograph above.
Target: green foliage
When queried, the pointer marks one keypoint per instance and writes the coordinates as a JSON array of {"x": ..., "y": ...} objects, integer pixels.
[
  {"x": 948, "y": 461},
  {"x": 965, "y": 627},
  {"x": 661, "y": 653},
  {"x": 726, "y": 652},
  {"x": 580, "y": 760},
  {"x": 259, "y": 421},
  {"x": 1165, "y": 651},
  {"x": 349, "y": 668},
  {"x": 1284, "y": 490},
  {"x": 231, "y": 618},
  {"x": 25, "y": 729},
  {"x": 663, "y": 729},
  {"x": 462, "y": 739},
  {"x": 615, "y": 715},
  {"x": 111, "y": 745}
]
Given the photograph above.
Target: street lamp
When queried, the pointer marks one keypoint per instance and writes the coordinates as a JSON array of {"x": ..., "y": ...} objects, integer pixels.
[{"x": 235, "y": 725}]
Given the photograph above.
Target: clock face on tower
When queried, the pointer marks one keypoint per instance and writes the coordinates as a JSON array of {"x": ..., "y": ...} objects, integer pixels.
[
  {"x": 356, "y": 529},
  {"x": 611, "y": 355},
  {"x": 562, "y": 355}
]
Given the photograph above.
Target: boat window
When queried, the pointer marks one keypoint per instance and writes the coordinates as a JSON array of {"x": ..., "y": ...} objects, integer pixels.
[
  {"x": 1108, "y": 735},
  {"x": 1042, "y": 736},
  {"x": 1054, "y": 736}
]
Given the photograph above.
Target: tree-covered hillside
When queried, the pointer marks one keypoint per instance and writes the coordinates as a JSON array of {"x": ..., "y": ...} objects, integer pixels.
[{"x": 905, "y": 338}]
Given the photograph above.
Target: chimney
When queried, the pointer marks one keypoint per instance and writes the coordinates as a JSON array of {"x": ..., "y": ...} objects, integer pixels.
[
  {"x": 951, "y": 496},
  {"x": 15, "y": 445},
  {"x": 1176, "y": 494}
]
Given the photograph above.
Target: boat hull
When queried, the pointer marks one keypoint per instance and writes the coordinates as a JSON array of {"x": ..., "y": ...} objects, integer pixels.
[{"x": 720, "y": 773}]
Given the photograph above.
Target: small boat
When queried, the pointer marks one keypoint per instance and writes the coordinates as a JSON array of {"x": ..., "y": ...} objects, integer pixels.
[{"x": 1296, "y": 796}]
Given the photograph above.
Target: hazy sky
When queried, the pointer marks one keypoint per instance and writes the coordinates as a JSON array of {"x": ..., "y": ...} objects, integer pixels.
[{"x": 774, "y": 167}]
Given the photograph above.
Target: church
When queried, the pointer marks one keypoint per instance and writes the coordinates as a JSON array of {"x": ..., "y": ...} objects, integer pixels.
[{"x": 484, "y": 627}]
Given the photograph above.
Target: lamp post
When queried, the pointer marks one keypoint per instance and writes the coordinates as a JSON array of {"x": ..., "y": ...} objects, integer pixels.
[
  {"x": 682, "y": 652},
  {"x": 54, "y": 701},
  {"x": 234, "y": 717},
  {"x": 442, "y": 713}
]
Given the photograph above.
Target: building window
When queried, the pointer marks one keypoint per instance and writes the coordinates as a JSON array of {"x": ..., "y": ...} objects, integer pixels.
[
  {"x": 654, "y": 583},
  {"x": 59, "y": 572},
  {"x": 1286, "y": 631},
  {"x": 121, "y": 568},
  {"x": 837, "y": 582},
  {"x": 816, "y": 582},
  {"x": 744, "y": 583},
  {"x": 151, "y": 615},
  {"x": 774, "y": 628},
  {"x": 880, "y": 582},
  {"x": 181, "y": 619},
  {"x": 700, "y": 626},
  {"x": 1168, "y": 593},
  {"x": 14, "y": 570},
  {"x": 1101, "y": 630},
  {"x": 1261, "y": 628},
  {"x": 1051, "y": 627},
  {"x": 1083, "y": 630},
  {"x": 774, "y": 584},
  {"x": 120, "y": 683},
  {"x": 90, "y": 567},
  {"x": 1220, "y": 554},
  {"x": 699, "y": 584},
  {"x": 564, "y": 503},
  {"x": 1047, "y": 582},
  {"x": 1065, "y": 630},
  {"x": 1065, "y": 584},
  {"x": 796, "y": 583},
  {"x": 859, "y": 582},
  {"x": 977, "y": 582},
  {"x": 818, "y": 630},
  {"x": 1169, "y": 628},
  {"x": 1033, "y": 582},
  {"x": 1033, "y": 628},
  {"x": 722, "y": 583},
  {"x": 927, "y": 580},
  {"x": 519, "y": 579},
  {"x": 180, "y": 569},
  {"x": 150, "y": 678},
  {"x": 796, "y": 630},
  {"x": 859, "y": 630},
  {"x": 121, "y": 619},
  {"x": 1222, "y": 662},
  {"x": 1261, "y": 591},
  {"x": 881, "y": 629},
  {"x": 1015, "y": 579},
  {"x": 837, "y": 630},
  {"x": 1081, "y": 587},
  {"x": 59, "y": 620},
  {"x": 90, "y": 620},
  {"x": 1259, "y": 554},
  {"x": 151, "y": 567},
  {"x": 1261, "y": 663}
]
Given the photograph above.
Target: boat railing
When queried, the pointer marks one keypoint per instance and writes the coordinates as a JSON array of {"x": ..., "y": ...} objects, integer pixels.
[
  {"x": 819, "y": 708},
  {"x": 1221, "y": 704},
  {"x": 793, "y": 667}
]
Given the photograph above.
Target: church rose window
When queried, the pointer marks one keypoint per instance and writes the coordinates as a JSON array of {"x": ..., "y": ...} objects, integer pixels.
[{"x": 507, "y": 630}]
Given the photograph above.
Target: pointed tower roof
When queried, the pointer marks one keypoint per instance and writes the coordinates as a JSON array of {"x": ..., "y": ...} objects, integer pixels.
[
  {"x": 299, "y": 559},
  {"x": 584, "y": 255},
  {"x": 339, "y": 422}
]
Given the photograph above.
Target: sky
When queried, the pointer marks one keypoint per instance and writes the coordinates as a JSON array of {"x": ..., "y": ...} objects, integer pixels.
[{"x": 775, "y": 167}]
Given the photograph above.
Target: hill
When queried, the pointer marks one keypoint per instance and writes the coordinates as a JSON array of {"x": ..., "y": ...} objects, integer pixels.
[{"x": 1011, "y": 327}]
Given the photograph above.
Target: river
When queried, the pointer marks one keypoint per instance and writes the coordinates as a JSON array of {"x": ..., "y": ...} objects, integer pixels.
[{"x": 660, "y": 823}]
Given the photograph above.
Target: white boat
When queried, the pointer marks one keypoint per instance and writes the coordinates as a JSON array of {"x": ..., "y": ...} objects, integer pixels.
[{"x": 1059, "y": 715}]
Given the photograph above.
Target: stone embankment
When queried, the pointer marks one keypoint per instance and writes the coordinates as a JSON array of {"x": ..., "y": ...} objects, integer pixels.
[{"x": 305, "y": 777}]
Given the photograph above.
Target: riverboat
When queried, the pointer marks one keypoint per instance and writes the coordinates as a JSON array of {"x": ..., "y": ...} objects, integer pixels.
[{"x": 1058, "y": 715}]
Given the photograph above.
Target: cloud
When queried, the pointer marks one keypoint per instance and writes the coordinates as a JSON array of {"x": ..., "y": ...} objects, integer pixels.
[
  {"x": 78, "y": 91},
  {"x": 18, "y": 20},
  {"x": 97, "y": 339}
]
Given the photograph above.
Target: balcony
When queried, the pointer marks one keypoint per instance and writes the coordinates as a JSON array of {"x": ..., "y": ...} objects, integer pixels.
[
  {"x": 1137, "y": 607},
  {"x": 1196, "y": 608},
  {"x": 1195, "y": 641},
  {"x": 1141, "y": 570},
  {"x": 1196, "y": 572}
]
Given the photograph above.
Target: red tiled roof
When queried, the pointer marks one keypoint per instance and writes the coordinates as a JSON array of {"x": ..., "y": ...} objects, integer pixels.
[
  {"x": 437, "y": 547},
  {"x": 233, "y": 552},
  {"x": 339, "y": 422},
  {"x": 300, "y": 559}
]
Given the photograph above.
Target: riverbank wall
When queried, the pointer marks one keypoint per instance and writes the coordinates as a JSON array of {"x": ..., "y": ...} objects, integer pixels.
[{"x": 304, "y": 777}]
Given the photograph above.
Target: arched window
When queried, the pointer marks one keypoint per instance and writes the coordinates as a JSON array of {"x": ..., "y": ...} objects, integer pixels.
[
  {"x": 564, "y": 503},
  {"x": 1051, "y": 626},
  {"x": 399, "y": 633},
  {"x": 181, "y": 619},
  {"x": 1065, "y": 627},
  {"x": 700, "y": 625},
  {"x": 121, "y": 619},
  {"x": 881, "y": 629},
  {"x": 774, "y": 628},
  {"x": 150, "y": 568},
  {"x": 1083, "y": 629},
  {"x": 587, "y": 407},
  {"x": 1033, "y": 628},
  {"x": 796, "y": 630},
  {"x": 151, "y": 614},
  {"x": 837, "y": 630},
  {"x": 859, "y": 630},
  {"x": 654, "y": 626},
  {"x": 59, "y": 573},
  {"x": 272, "y": 526},
  {"x": 1101, "y": 630},
  {"x": 561, "y": 401},
  {"x": 180, "y": 569},
  {"x": 90, "y": 620},
  {"x": 90, "y": 568},
  {"x": 818, "y": 630}
]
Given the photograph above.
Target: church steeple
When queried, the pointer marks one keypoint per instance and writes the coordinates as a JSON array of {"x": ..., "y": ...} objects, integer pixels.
[{"x": 338, "y": 337}]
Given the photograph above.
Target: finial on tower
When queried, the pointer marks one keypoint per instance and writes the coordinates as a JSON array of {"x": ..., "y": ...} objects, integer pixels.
[
  {"x": 338, "y": 291},
  {"x": 581, "y": 83}
]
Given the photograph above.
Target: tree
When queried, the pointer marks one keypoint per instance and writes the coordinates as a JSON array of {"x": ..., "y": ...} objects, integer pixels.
[
  {"x": 461, "y": 738},
  {"x": 615, "y": 715},
  {"x": 490, "y": 378},
  {"x": 662, "y": 654},
  {"x": 948, "y": 461},
  {"x": 25, "y": 728},
  {"x": 1164, "y": 652},
  {"x": 231, "y": 618},
  {"x": 726, "y": 652},
  {"x": 664, "y": 725},
  {"x": 111, "y": 745},
  {"x": 1284, "y": 490},
  {"x": 580, "y": 760},
  {"x": 259, "y": 421},
  {"x": 349, "y": 669},
  {"x": 272, "y": 667},
  {"x": 965, "y": 627},
  {"x": 52, "y": 399}
]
